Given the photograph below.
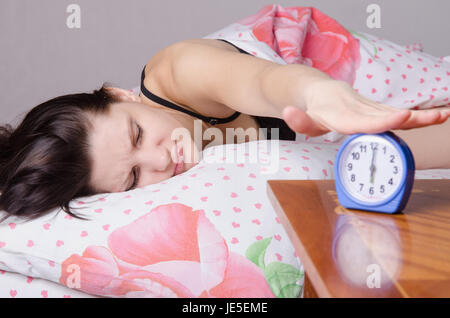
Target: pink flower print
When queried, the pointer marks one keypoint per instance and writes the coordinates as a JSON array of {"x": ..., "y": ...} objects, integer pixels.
[
  {"x": 97, "y": 268},
  {"x": 241, "y": 279},
  {"x": 305, "y": 35},
  {"x": 171, "y": 251}
]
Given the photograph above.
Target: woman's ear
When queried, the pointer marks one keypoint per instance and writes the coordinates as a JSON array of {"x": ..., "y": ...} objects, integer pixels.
[{"x": 124, "y": 95}]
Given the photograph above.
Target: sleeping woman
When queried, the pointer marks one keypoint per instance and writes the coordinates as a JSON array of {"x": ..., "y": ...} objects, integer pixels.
[{"x": 112, "y": 140}]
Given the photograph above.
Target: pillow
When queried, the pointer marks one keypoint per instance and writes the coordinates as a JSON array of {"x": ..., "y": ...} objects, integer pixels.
[
  {"x": 209, "y": 232},
  {"x": 13, "y": 285}
]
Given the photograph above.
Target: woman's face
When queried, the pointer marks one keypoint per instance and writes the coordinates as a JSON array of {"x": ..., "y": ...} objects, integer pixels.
[{"x": 131, "y": 146}]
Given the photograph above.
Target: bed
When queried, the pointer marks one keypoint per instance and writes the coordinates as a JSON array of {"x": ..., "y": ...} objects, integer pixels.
[
  {"x": 298, "y": 160},
  {"x": 211, "y": 231}
]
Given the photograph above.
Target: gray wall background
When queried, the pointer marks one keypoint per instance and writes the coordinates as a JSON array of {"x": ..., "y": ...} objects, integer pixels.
[{"x": 42, "y": 58}]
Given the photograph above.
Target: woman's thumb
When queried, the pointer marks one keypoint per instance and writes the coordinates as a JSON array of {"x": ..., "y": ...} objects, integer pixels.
[{"x": 300, "y": 122}]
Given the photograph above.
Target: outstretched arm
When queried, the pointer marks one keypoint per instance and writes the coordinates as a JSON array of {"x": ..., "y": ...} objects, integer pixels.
[
  {"x": 334, "y": 105},
  {"x": 307, "y": 99}
]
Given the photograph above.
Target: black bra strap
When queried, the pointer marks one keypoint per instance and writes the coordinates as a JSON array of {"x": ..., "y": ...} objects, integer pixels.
[
  {"x": 238, "y": 48},
  {"x": 210, "y": 120}
]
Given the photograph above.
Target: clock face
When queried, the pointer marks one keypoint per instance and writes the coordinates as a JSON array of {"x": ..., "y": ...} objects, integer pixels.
[{"x": 371, "y": 168}]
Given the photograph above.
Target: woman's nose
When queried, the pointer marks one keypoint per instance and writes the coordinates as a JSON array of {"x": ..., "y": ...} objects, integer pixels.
[{"x": 158, "y": 159}]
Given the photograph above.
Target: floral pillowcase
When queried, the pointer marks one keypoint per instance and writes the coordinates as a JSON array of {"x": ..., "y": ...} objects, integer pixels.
[{"x": 209, "y": 232}]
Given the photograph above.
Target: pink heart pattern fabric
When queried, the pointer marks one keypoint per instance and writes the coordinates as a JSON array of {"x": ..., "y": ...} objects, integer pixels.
[
  {"x": 172, "y": 240},
  {"x": 185, "y": 247}
]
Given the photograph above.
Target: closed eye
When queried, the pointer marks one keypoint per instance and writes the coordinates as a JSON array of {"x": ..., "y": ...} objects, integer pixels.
[
  {"x": 139, "y": 136},
  {"x": 135, "y": 171}
]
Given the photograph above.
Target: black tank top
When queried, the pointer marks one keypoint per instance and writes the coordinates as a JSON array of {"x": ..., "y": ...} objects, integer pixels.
[{"x": 285, "y": 133}]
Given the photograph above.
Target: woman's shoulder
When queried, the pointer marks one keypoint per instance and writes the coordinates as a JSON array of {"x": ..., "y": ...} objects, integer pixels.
[
  {"x": 163, "y": 57},
  {"x": 159, "y": 78},
  {"x": 161, "y": 65}
]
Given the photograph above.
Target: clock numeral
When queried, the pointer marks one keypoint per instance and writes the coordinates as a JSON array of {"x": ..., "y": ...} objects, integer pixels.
[
  {"x": 362, "y": 186},
  {"x": 382, "y": 188},
  {"x": 350, "y": 167},
  {"x": 391, "y": 182},
  {"x": 374, "y": 145},
  {"x": 392, "y": 158},
  {"x": 352, "y": 178},
  {"x": 384, "y": 149},
  {"x": 363, "y": 148},
  {"x": 355, "y": 155},
  {"x": 371, "y": 190},
  {"x": 395, "y": 169}
]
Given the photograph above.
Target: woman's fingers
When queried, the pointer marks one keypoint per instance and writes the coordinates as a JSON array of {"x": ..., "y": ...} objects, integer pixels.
[
  {"x": 445, "y": 113},
  {"x": 364, "y": 117},
  {"x": 374, "y": 124},
  {"x": 399, "y": 119},
  {"x": 418, "y": 118},
  {"x": 422, "y": 118}
]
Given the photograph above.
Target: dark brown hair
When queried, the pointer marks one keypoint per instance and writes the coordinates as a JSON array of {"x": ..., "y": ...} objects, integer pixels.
[{"x": 45, "y": 162}]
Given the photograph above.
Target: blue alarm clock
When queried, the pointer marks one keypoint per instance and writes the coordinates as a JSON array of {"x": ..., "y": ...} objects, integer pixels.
[{"x": 374, "y": 172}]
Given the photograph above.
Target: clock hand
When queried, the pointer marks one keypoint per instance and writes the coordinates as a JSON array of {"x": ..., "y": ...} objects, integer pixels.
[
  {"x": 372, "y": 166},
  {"x": 372, "y": 174}
]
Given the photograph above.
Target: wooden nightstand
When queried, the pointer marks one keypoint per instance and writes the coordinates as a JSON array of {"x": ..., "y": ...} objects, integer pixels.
[{"x": 352, "y": 253}]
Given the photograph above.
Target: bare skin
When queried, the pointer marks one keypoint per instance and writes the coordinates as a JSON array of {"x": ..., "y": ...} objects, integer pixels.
[{"x": 212, "y": 78}]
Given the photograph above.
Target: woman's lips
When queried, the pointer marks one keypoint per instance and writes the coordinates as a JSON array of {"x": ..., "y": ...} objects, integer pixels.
[{"x": 178, "y": 168}]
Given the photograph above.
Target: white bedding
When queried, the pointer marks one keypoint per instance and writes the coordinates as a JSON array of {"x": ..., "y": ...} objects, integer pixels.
[{"x": 13, "y": 285}]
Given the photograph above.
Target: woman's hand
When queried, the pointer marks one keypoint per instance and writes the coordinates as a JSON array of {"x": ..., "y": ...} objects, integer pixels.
[{"x": 334, "y": 106}]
